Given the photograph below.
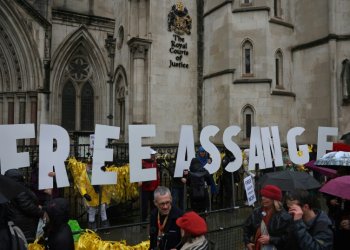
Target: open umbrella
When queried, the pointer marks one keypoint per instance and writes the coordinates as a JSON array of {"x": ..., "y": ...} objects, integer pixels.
[
  {"x": 288, "y": 180},
  {"x": 334, "y": 159},
  {"x": 325, "y": 171},
  {"x": 345, "y": 137},
  {"x": 9, "y": 189},
  {"x": 339, "y": 187},
  {"x": 339, "y": 146}
]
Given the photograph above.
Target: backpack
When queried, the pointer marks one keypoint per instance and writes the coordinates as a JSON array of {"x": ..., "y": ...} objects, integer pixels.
[
  {"x": 197, "y": 185},
  {"x": 18, "y": 240}
]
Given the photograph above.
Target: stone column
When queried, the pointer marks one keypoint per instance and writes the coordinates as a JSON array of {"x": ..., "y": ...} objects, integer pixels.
[
  {"x": 22, "y": 108},
  {"x": 10, "y": 109},
  {"x": 332, "y": 47},
  {"x": 139, "y": 77},
  {"x": 110, "y": 44},
  {"x": 142, "y": 26},
  {"x": 1, "y": 109},
  {"x": 33, "y": 113}
]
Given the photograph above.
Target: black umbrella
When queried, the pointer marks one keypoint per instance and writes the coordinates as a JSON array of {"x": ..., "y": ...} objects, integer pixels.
[
  {"x": 9, "y": 189},
  {"x": 288, "y": 180},
  {"x": 346, "y": 138}
]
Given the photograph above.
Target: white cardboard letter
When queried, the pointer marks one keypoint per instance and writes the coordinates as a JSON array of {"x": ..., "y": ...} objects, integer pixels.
[
  {"x": 322, "y": 144},
  {"x": 9, "y": 158},
  {"x": 256, "y": 146},
  {"x": 137, "y": 153},
  {"x": 292, "y": 147},
  {"x": 233, "y": 147},
  {"x": 272, "y": 145},
  {"x": 50, "y": 157},
  {"x": 186, "y": 143},
  {"x": 206, "y": 133},
  {"x": 103, "y": 154}
]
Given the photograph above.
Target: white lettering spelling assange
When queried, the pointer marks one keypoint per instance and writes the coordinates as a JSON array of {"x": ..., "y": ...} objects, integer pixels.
[{"x": 265, "y": 141}]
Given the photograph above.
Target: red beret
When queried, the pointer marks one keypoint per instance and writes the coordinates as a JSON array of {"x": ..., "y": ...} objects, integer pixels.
[
  {"x": 192, "y": 223},
  {"x": 272, "y": 192}
]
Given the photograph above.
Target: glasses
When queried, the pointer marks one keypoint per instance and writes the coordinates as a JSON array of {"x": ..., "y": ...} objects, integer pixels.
[{"x": 163, "y": 204}]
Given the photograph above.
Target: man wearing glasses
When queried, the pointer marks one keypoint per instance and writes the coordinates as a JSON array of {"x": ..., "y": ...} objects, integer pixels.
[{"x": 164, "y": 233}]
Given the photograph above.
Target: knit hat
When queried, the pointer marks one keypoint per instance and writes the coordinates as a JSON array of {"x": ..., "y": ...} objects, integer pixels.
[
  {"x": 192, "y": 223},
  {"x": 272, "y": 192},
  {"x": 201, "y": 149}
]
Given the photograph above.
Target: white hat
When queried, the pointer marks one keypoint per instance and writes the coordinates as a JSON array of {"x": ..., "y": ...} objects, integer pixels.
[{"x": 152, "y": 151}]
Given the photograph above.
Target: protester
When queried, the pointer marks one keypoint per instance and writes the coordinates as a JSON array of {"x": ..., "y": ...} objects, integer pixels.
[
  {"x": 91, "y": 194},
  {"x": 267, "y": 226},
  {"x": 204, "y": 158},
  {"x": 228, "y": 179},
  {"x": 198, "y": 180},
  {"x": 193, "y": 230},
  {"x": 5, "y": 238},
  {"x": 164, "y": 233},
  {"x": 57, "y": 231},
  {"x": 44, "y": 195},
  {"x": 311, "y": 228},
  {"x": 339, "y": 213},
  {"x": 148, "y": 187},
  {"x": 177, "y": 185},
  {"x": 24, "y": 209}
]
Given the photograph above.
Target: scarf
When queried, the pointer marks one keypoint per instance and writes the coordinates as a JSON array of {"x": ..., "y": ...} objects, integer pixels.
[
  {"x": 262, "y": 230},
  {"x": 203, "y": 160}
]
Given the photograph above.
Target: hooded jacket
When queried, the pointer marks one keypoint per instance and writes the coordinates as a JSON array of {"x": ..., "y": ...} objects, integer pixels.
[
  {"x": 150, "y": 185},
  {"x": 196, "y": 169},
  {"x": 58, "y": 233},
  {"x": 24, "y": 209}
]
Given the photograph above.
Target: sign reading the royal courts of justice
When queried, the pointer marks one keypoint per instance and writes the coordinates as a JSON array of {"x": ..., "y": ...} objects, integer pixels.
[{"x": 179, "y": 22}]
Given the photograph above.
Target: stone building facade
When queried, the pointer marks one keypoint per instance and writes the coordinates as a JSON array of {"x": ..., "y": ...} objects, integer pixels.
[{"x": 171, "y": 63}]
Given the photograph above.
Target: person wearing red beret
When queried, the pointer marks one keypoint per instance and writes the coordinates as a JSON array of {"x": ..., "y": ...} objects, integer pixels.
[
  {"x": 267, "y": 226},
  {"x": 193, "y": 229}
]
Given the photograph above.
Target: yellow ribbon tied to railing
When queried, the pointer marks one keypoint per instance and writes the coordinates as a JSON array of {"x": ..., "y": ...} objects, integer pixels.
[{"x": 90, "y": 240}]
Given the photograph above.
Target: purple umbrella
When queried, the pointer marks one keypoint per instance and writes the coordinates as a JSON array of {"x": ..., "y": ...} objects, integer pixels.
[
  {"x": 339, "y": 187},
  {"x": 332, "y": 173}
]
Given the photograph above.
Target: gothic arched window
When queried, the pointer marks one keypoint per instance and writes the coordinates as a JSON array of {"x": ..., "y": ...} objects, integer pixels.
[
  {"x": 277, "y": 8},
  {"x": 279, "y": 69},
  {"x": 247, "y": 58},
  {"x": 87, "y": 108},
  {"x": 78, "y": 107},
  {"x": 120, "y": 110},
  {"x": 68, "y": 106},
  {"x": 248, "y": 120}
]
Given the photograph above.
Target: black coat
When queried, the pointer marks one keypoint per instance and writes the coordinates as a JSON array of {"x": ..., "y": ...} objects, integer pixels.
[
  {"x": 60, "y": 238},
  {"x": 24, "y": 209},
  {"x": 172, "y": 234},
  {"x": 58, "y": 232},
  {"x": 4, "y": 229},
  {"x": 277, "y": 227}
]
